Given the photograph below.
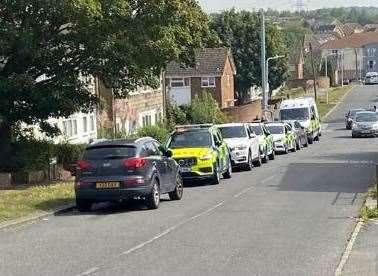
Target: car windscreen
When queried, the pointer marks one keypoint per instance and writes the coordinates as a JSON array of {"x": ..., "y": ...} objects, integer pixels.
[
  {"x": 366, "y": 117},
  {"x": 190, "y": 139},
  {"x": 294, "y": 114},
  {"x": 276, "y": 129},
  {"x": 233, "y": 132},
  {"x": 109, "y": 152},
  {"x": 257, "y": 130},
  {"x": 354, "y": 112}
]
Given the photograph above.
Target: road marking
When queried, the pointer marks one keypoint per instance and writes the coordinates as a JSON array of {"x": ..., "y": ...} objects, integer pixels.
[
  {"x": 89, "y": 271},
  {"x": 173, "y": 228},
  {"x": 166, "y": 232},
  {"x": 349, "y": 248}
]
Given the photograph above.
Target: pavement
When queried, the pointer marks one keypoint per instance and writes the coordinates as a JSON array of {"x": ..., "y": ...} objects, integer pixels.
[
  {"x": 292, "y": 216},
  {"x": 363, "y": 259}
]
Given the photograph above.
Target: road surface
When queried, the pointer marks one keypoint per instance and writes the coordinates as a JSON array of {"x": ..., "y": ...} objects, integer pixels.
[{"x": 292, "y": 216}]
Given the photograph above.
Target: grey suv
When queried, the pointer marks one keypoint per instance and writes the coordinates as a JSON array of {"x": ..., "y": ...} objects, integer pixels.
[{"x": 118, "y": 170}]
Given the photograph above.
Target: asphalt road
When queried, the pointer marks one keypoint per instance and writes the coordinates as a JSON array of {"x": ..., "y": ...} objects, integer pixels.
[{"x": 290, "y": 217}]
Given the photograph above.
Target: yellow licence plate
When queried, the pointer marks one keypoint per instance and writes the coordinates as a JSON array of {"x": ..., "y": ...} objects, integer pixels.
[{"x": 107, "y": 185}]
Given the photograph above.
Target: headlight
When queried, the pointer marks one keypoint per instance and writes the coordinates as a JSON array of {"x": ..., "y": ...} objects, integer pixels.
[
  {"x": 278, "y": 141},
  {"x": 206, "y": 157},
  {"x": 356, "y": 126},
  {"x": 241, "y": 147},
  {"x": 375, "y": 127}
]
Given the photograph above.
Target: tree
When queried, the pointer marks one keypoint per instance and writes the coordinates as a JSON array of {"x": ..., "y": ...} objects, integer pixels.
[
  {"x": 49, "y": 48},
  {"x": 241, "y": 32}
]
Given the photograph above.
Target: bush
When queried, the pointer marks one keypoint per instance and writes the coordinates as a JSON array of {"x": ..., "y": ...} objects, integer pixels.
[
  {"x": 158, "y": 132},
  {"x": 205, "y": 109},
  {"x": 68, "y": 154}
]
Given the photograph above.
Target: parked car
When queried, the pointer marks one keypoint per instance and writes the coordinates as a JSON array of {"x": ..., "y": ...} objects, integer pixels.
[
  {"x": 351, "y": 116},
  {"x": 201, "y": 153},
  {"x": 243, "y": 144},
  {"x": 283, "y": 137},
  {"x": 371, "y": 78},
  {"x": 265, "y": 140},
  {"x": 366, "y": 125},
  {"x": 300, "y": 134},
  {"x": 117, "y": 170}
]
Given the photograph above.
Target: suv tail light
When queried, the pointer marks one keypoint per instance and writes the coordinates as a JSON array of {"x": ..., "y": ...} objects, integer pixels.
[
  {"x": 83, "y": 165},
  {"x": 134, "y": 163}
]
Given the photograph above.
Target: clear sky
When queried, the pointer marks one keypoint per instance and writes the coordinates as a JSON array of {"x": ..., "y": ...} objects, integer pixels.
[{"x": 216, "y": 5}]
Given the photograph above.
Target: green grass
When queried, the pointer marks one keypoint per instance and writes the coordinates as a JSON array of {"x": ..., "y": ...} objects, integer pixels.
[
  {"x": 20, "y": 203},
  {"x": 370, "y": 213},
  {"x": 334, "y": 96}
]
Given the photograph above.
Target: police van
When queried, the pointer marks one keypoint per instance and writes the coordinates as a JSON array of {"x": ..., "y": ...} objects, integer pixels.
[{"x": 305, "y": 111}]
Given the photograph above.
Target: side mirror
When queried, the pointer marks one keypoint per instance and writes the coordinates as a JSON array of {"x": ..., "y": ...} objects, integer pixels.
[
  {"x": 168, "y": 153},
  {"x": 312, "y": 117}
]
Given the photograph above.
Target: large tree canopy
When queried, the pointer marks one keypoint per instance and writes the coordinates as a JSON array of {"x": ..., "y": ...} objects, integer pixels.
[
  {"x": 49, "y": 47},
  {"x": 241, "y": 32}
]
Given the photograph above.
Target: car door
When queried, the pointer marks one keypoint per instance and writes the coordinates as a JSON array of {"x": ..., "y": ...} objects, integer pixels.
[
  {"x": 171, "y": 166},
  {"x": 152, "y": 154}
]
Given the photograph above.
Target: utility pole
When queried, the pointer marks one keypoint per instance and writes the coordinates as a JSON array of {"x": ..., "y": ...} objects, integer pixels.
[
  {"x": 263, "y": 65},
  {"x": 313, "y": 72}
]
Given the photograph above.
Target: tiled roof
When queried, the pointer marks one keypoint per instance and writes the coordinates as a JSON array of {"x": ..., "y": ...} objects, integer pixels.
[
  {"x": 353, "y": 41},
  {"x": 318, "y": 39},
  {"x": 209, "y": 62}
]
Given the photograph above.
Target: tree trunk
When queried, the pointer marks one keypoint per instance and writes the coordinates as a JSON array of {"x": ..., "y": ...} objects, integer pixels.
[{"x": 5, "y": 146}]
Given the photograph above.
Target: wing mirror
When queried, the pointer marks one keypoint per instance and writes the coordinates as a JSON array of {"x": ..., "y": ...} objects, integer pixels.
[
  {"x": 312, "y": 117},
  {"x": 252, "y": 135},
  {"x": 168, "y": 153}
]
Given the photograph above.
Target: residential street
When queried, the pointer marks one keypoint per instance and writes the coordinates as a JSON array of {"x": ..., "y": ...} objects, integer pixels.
[{"x": 292, "y": 216}]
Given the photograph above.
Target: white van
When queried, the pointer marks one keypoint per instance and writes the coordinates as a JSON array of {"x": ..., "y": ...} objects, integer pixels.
[{"x": 305, "y": 111}]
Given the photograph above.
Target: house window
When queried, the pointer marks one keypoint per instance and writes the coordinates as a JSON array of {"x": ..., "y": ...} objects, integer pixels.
[
  {"x": 208, "y": 82},
  {"x": 371, "y": 52},
  {"x": 70, "y": 128},
  {"x": 92, "y": 123},
  {"x": 180, "y": 82},
  {"x": 147, "y": 120},
  {"x": 85, "y": 124},
  {"x": 371, "y": 64}
]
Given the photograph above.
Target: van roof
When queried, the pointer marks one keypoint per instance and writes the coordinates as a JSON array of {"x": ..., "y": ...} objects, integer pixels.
[{"x": 297, "y": 103}]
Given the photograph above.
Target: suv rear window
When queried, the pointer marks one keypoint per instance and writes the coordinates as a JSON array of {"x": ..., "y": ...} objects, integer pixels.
[{"x": 109, "y": 152}]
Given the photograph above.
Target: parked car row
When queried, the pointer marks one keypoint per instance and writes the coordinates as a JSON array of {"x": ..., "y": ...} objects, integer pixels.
[
  {"x": 144, "y": 169},
  {"x": 362, "y": 122}
]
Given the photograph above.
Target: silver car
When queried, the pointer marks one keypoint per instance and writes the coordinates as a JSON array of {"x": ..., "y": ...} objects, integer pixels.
[{"x": 366, "y": 125}]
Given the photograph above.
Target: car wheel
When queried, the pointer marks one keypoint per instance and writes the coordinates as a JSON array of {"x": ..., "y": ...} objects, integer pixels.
[
  {"x": 272, "y": 156},
  {"x": 258, "y": 162},
  {"x": 266, "y": 157},
  {"x": 228, "y": 173},
  {"x": 153, "y": 199},
  {"x": 179, "y": 189},
  {"x": 306, "y": 143},
  {"x": 286, "y": 149},
  {"x": 83, "y": 205},
  {"x": 317, "y": 138},
  {"x": 354, "y": 135},
  {"x": 294, "y": 149},
  {"x": 215, "y": 179}
]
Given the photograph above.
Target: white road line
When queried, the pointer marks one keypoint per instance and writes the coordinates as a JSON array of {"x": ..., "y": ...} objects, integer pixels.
[
  {"x": 173, "y": 228},
  {"x": 349, "y": 248},
  {"x": 169, "y": 230},
  {"x": 89, "y": 271},
  {"x": 268, "y": 179},
  {"x": 166, "y": 232}
]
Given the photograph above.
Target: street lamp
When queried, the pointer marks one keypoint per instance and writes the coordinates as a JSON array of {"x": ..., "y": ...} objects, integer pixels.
[{"x": 267, "y": 69}]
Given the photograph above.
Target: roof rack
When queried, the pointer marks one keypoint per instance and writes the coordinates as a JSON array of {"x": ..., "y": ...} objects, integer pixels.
[{"x": 198, "y": 126}]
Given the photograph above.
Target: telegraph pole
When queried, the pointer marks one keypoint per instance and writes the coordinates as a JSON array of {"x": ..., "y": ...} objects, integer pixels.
[
  {"x": 313, "y": 72},
  {"x": 263, "y": 63}
]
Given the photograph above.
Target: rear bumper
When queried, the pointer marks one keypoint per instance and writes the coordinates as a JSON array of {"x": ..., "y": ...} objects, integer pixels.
[
  {"x": 366, "y": 133},
  {"x": 100, "y": 195}
]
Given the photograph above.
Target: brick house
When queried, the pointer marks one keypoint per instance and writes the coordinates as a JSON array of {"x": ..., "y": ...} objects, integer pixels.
[
  {"x": 296, "y": 65},
  {"x": 142, "y": 107},
  {"x": 214, "y": 71}
]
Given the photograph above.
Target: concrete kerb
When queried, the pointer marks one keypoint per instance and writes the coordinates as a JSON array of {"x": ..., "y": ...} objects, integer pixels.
[
  {"x": 340, "y": 101},
  {"x": 39, "y": 216}
]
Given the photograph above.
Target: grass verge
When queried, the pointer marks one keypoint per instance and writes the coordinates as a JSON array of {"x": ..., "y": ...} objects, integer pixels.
[
  {"x": 370, "y": 212},
  {"x": 15, "y": 204}
]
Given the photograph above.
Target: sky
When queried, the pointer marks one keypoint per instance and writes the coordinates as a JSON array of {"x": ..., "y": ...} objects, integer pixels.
[{"x": 217, "y": 5}]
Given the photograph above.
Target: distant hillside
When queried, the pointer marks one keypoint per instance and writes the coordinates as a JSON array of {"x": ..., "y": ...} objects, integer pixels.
[{"x": 362, "y": 15}]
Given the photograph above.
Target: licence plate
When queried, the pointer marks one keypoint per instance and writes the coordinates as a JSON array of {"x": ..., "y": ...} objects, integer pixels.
[
  {"x": 107, "y": 185},
  {"x": 185, "y": 169},
  {"x": 366, "y": 131}
]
